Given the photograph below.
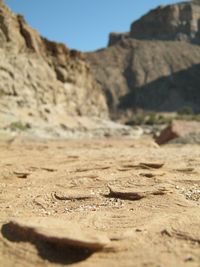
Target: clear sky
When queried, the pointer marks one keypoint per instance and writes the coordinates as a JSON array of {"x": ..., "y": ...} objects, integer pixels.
[{"x": 82, "y": 24}]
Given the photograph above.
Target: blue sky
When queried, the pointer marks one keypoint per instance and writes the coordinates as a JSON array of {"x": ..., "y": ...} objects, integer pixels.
[{"x": 82, "y": 24}]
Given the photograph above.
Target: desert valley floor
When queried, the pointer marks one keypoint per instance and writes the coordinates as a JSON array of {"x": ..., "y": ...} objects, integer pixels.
[{"x": 143, "y": 198}]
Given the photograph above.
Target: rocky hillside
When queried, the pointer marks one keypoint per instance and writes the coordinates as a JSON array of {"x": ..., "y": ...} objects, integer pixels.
[
  {"x": 42, "y": 82},
  {"x": 155, "y": 66}
]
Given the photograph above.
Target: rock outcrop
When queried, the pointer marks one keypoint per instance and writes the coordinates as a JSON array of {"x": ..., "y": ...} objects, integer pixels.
[
  {"x": 42, "y": 81},
  {"x": 172, "y": 22},
  {"x": 154, "y": 67}
]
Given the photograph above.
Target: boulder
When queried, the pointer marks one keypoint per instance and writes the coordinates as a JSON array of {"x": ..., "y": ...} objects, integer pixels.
[{"x": 178, "y": 129}]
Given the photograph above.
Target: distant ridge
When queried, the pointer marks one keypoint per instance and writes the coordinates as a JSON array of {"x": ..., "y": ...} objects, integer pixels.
[{"x": 155, "y": 66}]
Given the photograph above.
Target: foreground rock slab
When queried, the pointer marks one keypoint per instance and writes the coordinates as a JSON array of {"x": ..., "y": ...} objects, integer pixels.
[{"x": 57, "y": 231}]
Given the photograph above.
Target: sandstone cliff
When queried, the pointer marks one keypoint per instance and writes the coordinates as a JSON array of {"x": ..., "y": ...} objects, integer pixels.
[
  {"x": 42, "y": 81},
  {"x": 156, "y": 66}
]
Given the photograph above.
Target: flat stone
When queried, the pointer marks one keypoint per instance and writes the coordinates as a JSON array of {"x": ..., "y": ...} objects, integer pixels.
[
  {"x": 185, "y": 170},
  {"x": 22, "y": 175},
  {"x": 151, "y": 165},
  {"x": 135, "y": 193},
  {"x": 71, "y": 195}
]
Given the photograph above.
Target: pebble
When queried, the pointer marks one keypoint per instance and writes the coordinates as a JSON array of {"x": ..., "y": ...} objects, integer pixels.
[{"x": 189, "y": 258}]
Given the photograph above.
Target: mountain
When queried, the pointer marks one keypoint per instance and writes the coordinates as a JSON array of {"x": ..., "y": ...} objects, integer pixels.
[
  {"x": 43, "y": 83},
  {"x": 156, "y": 65}
]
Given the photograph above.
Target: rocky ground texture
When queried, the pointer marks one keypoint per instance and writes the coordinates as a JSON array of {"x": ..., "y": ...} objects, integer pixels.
[{"x": 99, "y": 203}]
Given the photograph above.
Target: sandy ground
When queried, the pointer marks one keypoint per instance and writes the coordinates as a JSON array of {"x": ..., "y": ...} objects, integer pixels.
[{"x": 162, "y": 228}]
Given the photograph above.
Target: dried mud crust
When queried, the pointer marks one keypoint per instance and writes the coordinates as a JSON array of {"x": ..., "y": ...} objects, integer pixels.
[{"x": 143, "y": 198}]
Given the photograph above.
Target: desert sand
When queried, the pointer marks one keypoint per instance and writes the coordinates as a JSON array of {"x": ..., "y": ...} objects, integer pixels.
[{"x": 141, "y": 197}]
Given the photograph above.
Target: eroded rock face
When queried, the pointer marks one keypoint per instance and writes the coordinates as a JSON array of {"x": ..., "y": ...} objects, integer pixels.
[
  {"x": 41, "y": 80},
  {"x": 150, "y": 68}
]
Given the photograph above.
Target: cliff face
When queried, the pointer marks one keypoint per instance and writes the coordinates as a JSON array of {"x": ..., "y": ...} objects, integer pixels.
[
  {"x": 173, "y": 22},
  {"x": 42, "y": 80},
  {"x": 156, "y": 66}
]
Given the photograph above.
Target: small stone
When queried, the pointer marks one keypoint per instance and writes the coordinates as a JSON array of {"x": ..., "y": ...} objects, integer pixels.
[
  {"x": 22, "y": 175},
  {"x": 189, "y": 258},
  {"x": 151, "y": 165},
  {"x": 71, "y": 195},
  {"x": 148, "y": 175}
]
